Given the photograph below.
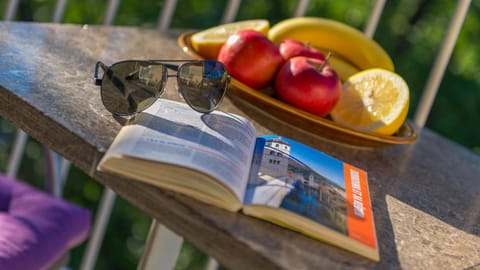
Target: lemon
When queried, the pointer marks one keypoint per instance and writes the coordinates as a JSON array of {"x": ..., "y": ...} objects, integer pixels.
[
  {"x": 208, "y": 42},
  {"x": 373, "y": 100}
]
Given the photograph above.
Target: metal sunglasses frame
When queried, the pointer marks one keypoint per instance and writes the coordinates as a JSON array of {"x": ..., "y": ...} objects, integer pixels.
[{"x": 169, "y": 64}]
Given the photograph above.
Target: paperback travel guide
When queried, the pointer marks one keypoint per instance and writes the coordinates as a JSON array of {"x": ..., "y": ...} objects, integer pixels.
[{"x": 217, "y": 158}]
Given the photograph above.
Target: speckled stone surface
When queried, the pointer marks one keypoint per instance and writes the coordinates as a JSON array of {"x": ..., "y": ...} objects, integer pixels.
[{"x": 426, "y": 195}]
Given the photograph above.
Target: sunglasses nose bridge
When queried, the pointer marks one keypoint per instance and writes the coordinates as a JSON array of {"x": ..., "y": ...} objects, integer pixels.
[{"x": 166, "y": 74}]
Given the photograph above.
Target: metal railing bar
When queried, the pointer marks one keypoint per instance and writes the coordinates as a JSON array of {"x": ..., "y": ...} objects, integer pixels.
[
  {"x": 59, "y": 171},
  {"x": 107, "y": 200},
  {"x": 61, "y": 167},
  {"x": 59, "y": 11},
  {"x": 11, "y": 10},
  {"x": 161, "y": 249},
  {"x": 374, "y": 18},
  {"x": 438, "y": 69},
  {"x": 212, "y": 264},
  {"x": 301, "y": 8},
  {"x": 111, "y": 12},
  {"x": 64, "y": 169},
  {"x": 21, "y": 137},
  {"x": 98, "y": 231},
  {"x": 166, "y": 15},
  {"x": 231, "y": 11},
  {"x": 17, "y": 153},
  {"x": 52, "y": 177}
]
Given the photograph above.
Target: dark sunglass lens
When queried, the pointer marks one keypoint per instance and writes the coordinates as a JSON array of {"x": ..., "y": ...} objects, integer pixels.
[
  {"x": 203, "y": 84},
  {"x": 131, "y": 86}
]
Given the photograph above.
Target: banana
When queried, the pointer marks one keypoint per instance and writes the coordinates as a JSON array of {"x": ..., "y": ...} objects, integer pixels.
[
  {"x": 342, "y": 40},
  {"x": 342, "y": 67}
]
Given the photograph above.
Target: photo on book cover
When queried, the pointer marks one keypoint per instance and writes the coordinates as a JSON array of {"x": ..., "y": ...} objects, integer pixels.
[{"x": 286, "y": 174}]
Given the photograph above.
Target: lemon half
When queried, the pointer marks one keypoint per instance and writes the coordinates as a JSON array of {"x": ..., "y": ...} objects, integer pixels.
[
  {"x": 373, "y": 100},
  {"x": 208, "y": 42}
]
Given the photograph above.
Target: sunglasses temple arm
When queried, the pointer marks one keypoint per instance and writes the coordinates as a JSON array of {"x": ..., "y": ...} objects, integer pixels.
[{"x": 96, "y": 79}]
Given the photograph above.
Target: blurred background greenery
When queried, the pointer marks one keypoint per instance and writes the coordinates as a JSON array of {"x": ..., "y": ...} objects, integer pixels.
[{"x": 411, "y": 31}]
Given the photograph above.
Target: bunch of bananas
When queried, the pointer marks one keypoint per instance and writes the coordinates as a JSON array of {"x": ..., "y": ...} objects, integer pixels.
[{"x": 352, "y": 51}]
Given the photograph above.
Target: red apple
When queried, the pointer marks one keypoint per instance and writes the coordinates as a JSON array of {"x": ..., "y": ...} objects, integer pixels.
[
  {"x": 290, "y": 48},
  {"x": 251, "y": 57},
  {"x": 309, "y": 84}
]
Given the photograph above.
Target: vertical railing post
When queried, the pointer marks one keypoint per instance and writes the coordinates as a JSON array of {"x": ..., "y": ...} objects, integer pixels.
[
  {"x": 374, "y": 18},
  {"x": 231, "y": 10},
  {"x": 440, "y": 64},
  {"x": 301, "y": 8},
  {"x": 11, "y": 10},
  {"x": 166, "y": 15},
  {"x": 108, "y": 197},
  {"x": 52, "y": 176},
  {"x": 17, "y": 153},
  {"x": 59, "y": 11},
  {"x": 98, "y": 231},
  {"x": 161, "y": 250},
  {"x": 111, "y": 12}
]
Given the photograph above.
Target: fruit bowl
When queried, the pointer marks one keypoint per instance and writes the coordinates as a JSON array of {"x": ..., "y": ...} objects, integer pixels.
[{"x": 263, "y": 100}]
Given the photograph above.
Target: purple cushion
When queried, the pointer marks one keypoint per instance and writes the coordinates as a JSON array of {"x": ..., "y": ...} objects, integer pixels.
[{"x": 36, "y": 229}]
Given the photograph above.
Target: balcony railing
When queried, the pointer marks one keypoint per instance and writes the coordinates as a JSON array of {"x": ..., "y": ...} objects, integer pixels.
[{"x": 59, "y": 167}]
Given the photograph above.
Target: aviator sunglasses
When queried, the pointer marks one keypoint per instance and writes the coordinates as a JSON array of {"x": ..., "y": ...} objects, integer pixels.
[{"x": 129, "y": 87}]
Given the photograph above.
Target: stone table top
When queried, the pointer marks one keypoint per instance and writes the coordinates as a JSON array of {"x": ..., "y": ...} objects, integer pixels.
[{"x": 425, "y": 195}]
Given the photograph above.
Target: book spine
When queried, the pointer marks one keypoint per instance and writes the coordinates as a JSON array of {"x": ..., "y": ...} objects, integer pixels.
[{"x": 359, "y": 210}]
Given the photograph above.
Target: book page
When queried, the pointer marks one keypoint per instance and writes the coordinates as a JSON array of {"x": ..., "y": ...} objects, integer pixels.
[{"x": 217, "y": 143}]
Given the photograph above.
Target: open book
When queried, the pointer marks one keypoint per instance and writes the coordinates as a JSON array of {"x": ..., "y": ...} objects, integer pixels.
[{"x": 217, "y": 158}]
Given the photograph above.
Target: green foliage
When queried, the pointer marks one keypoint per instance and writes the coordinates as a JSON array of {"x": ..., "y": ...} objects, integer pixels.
[
  {"x": 411, "y": 31},
  {"x": 198, "y": 14},
  {"x": 85, "y": 11}
]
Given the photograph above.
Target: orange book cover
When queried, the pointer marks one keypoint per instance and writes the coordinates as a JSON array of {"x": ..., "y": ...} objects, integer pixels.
[{"x": 313, "y": 193}]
